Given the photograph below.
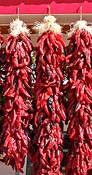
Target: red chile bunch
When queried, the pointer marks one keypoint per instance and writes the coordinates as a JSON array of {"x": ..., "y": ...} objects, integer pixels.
[
  {"x": 2, "y": 79},
  {"x": 79, "y": 111},
  {"x": 2, "y": 61},
  {"x": 47, "y": 139},
  {"x": 18, "y": 108}
]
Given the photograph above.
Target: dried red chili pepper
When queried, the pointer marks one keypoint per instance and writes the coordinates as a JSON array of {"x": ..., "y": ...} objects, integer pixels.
[
  {"x": 18, "y": 107},
  {"x": 47, "y": 139},
  {"x": 79, "y": 104},
  {"x": 2, "y": 61}
]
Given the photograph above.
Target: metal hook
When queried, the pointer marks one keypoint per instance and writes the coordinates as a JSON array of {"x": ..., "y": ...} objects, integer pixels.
[
  {"x": 18, "y": 12},
  {"x": 80, "y": 12},
  {"x": 48, "y": 10}
]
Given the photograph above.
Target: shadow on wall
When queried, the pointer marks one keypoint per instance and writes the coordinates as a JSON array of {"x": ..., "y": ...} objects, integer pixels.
[{"x": 37, "y": 2}]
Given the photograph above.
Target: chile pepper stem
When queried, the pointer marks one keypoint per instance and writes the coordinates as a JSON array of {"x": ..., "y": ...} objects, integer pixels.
[{"x": 80, "y": 12}]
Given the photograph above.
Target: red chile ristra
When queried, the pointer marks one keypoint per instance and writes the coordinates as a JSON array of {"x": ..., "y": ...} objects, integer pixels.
[
  {"x": 79, "y": 110},
  {"x": 2, "y": 62},
  {"x": 18, "y": 108},
  {"x": 2, "y": 78},
  {"x": 47, "y": 140}
]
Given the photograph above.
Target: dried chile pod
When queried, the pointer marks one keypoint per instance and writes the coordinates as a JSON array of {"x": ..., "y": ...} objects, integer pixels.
[
  {"x": 79, "y": 99},
  {"x": 17, "y": 92},
  {"x": 47, "y": 140},
  {"x": 2, "y": 79}
]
